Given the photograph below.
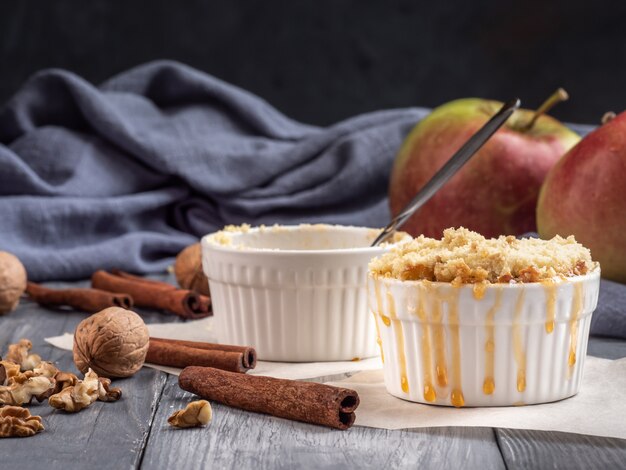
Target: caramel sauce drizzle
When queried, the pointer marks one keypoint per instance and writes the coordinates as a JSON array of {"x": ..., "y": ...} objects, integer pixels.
[
  {"x": 550, "y": 287},
  {"x": 577, "y": 307},
  {"x": 379, "y": 305},
  {"x": 439, "y": 337},
  {"x": 489, "y": 384},
  {"x": 456, "y": 397},
  {"x": 478, "y": 290},
  {"x": 430, "y": 395},
  {"x": 378, "y": 340},
  {"x": 520, "y": 355},
  {"x": 391, "y": 304}
]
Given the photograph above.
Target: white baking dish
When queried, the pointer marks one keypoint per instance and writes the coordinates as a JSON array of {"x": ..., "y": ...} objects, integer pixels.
[
  {"x": 506, "y": 344},
  {"x": 295, "y": 293}
]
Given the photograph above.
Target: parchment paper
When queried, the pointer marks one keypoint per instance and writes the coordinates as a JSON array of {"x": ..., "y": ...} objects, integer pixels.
[
  {"x": 201, "y": 330},
  {"x": 599, "y": 409}
]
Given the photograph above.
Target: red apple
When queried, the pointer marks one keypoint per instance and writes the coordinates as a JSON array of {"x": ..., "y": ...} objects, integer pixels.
[
  {"x": 585, "y": 195},
  {"x": 496, "y": 192}
]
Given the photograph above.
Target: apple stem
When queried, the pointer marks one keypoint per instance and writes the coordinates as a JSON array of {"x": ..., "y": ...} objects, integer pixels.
[
  {"x": 608, "y": 117},
  {"x": 557, "y": 97}
]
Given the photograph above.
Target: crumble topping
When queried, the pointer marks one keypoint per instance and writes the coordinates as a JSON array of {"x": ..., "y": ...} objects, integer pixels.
[{"x": 466, "y": 257}]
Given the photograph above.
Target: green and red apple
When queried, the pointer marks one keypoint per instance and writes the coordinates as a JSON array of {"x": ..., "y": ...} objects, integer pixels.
[
  {"x": 496, "y": 192},
  {"x": 585, "y": 195}
]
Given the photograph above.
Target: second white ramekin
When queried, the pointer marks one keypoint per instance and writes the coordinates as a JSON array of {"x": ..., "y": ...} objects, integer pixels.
[
  {"x": 295, "y": 293},
  {"x": 509, "y": 344}
]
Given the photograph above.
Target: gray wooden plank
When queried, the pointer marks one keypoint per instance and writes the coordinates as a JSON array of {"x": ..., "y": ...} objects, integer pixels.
[
  {"x": 523, "y": 449},
  {"x": 242, "y": 440},
  {"x": 111, "y": 433}
]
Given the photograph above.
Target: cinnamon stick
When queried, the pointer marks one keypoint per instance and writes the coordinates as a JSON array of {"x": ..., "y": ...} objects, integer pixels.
[
  {"x": 176, "y": 355},
  {"x": 88, "y": 300},
  {"x": 249, "y": 354},
  {"x": 300, "y": 401},
  {"x": 154, "y": 294}
]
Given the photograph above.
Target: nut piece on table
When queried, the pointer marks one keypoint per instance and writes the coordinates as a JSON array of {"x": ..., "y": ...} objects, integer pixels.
[
  {"x": 19, "y": 354},
  {"x": 8, "y": 370},
  {"x": 20, "y": 393},
  {"x": 16, "y": 421},
  {"x": 188, "y": 270},
  {"x": 12, "y": 282},
  {"x": 45, "y": 369},
  {"x": 106, "y": 392},
  {"x": 196, "y": 413},
  {"x": 113, "y": 342},
  {"x": 63, "y": 381},
  {"x": 83, "y": 393}
]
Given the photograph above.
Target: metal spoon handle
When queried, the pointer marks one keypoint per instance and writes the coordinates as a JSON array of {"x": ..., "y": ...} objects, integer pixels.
[{"x": 450, "y": 168}]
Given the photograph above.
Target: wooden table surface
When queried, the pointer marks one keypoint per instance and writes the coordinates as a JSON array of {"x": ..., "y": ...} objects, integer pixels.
[{"x": 133, "y": 432}]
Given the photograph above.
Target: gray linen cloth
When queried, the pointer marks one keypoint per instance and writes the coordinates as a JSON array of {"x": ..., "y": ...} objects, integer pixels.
[{"x": 126, "y": 174}]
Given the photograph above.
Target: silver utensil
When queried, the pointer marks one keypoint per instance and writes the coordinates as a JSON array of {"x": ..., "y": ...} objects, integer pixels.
[{"x": 450, "y": 168}]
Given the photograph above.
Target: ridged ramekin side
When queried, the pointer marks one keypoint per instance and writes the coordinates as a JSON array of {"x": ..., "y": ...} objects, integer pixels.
[
  {"x": 509, "y": 358},
  {"x": 290, "y": 312}
]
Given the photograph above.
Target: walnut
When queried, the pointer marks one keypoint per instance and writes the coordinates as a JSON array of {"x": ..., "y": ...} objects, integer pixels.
[
  {"x": 19, "y": 354},
  {"x": 113, "y": 342},
  {"x": 21, "y": 377},
  {"x": 83, "y": 393},
  {"x": 8, "y": 370},
  {"x": 20, "y": 393},
  {"x": 12, "y": 282},
  {"x": 45, "y": 369},
  {"x": 106, "y": 392},
  {"x": 188, "y": 270},
  {"x": 16, "y": 421},
  {"x": 64, "y": 380},
  {"x": 196, "y": 413}
]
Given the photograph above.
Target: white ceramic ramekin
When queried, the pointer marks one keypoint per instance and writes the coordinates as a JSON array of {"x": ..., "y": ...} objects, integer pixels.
[
  {"x": 295, "y": 293},
  {"x": 506, "y": 344}
]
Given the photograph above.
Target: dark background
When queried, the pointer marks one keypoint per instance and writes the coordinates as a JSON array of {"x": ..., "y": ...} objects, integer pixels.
[{"x": 321, "y": 61}]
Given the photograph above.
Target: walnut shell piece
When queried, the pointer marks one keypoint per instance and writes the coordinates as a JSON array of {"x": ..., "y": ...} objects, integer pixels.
[
  {"x": 16, "y": 421},
  {"x": 12, "y": 282},
  {"x": 113, "y": 342},
  {"x": 188, "y": 270}
]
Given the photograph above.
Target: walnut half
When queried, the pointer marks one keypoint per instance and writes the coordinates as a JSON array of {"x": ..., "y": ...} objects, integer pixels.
[
  {"x": 21, "y": 393},
  {"x": 19, "y": 353},
  {"x": 83, "y": 393},
  {"x": 8, "y": 370},
  {"x": 16, "y": 421}
]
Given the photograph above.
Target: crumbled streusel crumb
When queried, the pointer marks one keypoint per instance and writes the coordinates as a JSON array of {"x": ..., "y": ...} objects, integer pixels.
[
  {"x": 466, "y": 257},
  {"x": 243, "y": 228}
]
